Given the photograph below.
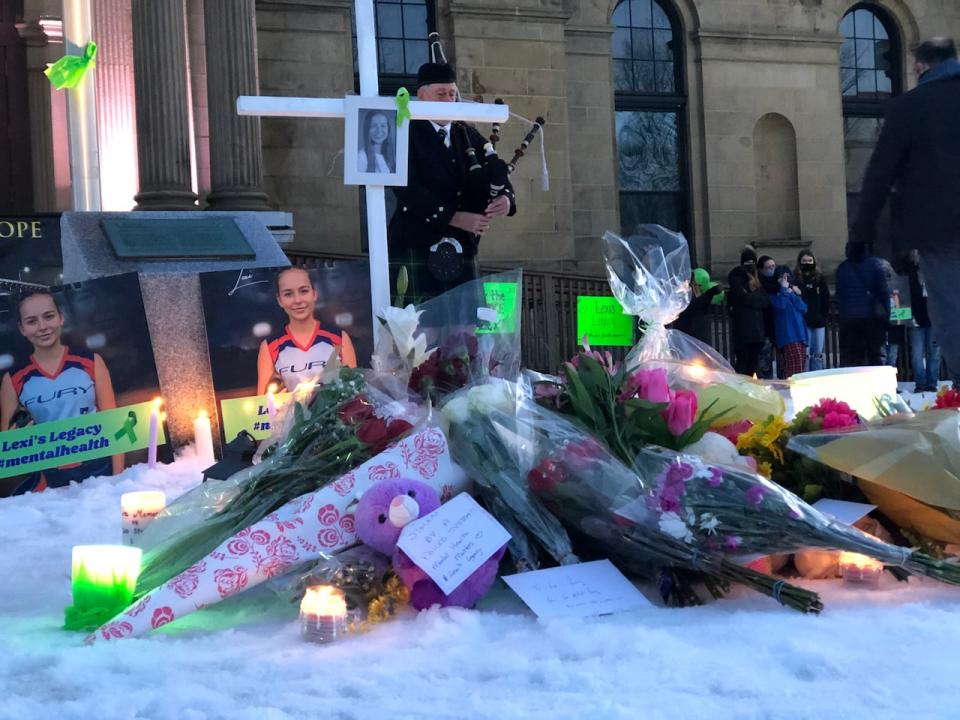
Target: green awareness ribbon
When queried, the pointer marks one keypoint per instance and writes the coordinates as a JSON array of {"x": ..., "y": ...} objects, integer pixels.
[
  {"x": 68, "y": 71},
  {"x": 127, "y": 428},
  {"x": 403, "y": 106}
]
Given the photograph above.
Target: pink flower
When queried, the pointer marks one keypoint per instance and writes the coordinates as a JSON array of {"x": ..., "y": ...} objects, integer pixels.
[
  {"x": 755, "y": 495},
  {"x": 650, "y": 385},
  {"x": 716, "y": 477},
  {"x": 161, "y": 616},
  {"x": 681, "y": 412},
  {"x": 733, "y": 431},
  {"x": 834, "y": 413},
  {"x": 230, "y": 580}
]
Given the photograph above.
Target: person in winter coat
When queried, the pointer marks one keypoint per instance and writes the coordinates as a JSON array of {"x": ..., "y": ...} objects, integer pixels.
[
  {"x": 747, "y": 302},
  {"x": 816, "y": 294},
  {"x": 917, "y": 154},
  {"x": 695, "y": 318},
  {"x": 790, "y": 329},
  {"x": 924, "y": 348},
  {"x": 766, "y": 272},
  {"x": 863, "y": 302}
]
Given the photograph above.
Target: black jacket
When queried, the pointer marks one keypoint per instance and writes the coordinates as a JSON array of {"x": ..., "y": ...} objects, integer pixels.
[
  {"x": 917, "y": 154},
  {"x": 438, "y": 185},
  {"x": 747, "y": 309},
  {"x": 695, "y": 318},
  {"x": 863, "y": 289},
  {"x": 918, "y": 299},
  {"x": 816, "y": 294}
]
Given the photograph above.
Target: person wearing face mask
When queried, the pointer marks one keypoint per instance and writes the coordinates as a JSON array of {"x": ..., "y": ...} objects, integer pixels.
[
  {"x": 816, "y": 294},
  {"x": 767, "y": 268},
  {"x": 747, "y": 303},
  {"x": 790, "y": 329}
]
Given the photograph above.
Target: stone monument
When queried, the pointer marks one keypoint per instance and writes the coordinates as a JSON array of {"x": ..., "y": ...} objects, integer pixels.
[{"x": 171, "y": 293}]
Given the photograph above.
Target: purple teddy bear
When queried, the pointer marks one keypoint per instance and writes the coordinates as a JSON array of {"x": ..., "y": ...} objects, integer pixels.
[{"x": 383, "y": 511}]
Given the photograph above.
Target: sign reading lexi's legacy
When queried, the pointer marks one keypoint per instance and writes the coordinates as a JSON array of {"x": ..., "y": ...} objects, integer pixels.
[{"x": 215, "y": 237}]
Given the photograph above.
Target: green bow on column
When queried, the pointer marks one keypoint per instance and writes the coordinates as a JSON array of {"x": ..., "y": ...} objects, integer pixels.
[
  {"x": 127, "y": 428},
  {"x": 68, "y": 71},
  {"x": 403, "y": 106}
]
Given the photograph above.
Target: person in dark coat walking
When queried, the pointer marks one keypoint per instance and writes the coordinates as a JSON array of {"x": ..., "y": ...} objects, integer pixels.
[
  {"x": 747, "y": 301},
  {"x": 816, "y": 294},
  {"x": 433, "y": 233},
  {"x": 863, "y": 302},
  {"x": 694, "y": 320},
  {"x": 917, "y": 154},
  {"x": 924, "y": 348}
]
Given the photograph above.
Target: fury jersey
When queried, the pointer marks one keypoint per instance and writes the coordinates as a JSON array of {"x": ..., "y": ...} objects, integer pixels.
[
  {"x": 295, "y": 362},
  {"x": 67, "y": 393}
]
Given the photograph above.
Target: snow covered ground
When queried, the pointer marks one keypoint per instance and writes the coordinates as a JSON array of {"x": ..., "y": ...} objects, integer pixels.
[{"x": 890, "y": 653}]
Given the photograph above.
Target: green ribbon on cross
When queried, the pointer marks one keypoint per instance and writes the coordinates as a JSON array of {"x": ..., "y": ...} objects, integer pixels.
[
  {"x": 403, "y": 106},
  {"x": 68, "y": 71},
  {"x": 127, "y": 428}
]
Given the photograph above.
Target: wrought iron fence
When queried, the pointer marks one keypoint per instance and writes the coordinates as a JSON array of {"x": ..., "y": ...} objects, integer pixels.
[{"x": 549, "y": 322}]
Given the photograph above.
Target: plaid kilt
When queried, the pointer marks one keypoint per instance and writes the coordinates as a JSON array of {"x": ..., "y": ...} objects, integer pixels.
[
  {"x": 794, "y": 358},
  {"x": 421, "y": 285}
]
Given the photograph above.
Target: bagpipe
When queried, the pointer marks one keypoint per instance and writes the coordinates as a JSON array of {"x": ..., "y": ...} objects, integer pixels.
[{"x": 486, "y": 180}]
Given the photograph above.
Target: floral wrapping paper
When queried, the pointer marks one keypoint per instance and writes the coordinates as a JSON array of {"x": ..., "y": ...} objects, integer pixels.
[{"x": 319, "y": 522}]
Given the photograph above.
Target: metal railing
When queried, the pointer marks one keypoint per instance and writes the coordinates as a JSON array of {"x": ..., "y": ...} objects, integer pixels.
[{"x": 549, "y": 321}]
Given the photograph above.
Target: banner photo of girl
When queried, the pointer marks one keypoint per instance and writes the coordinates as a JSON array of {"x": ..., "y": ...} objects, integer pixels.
[
  {"x": 269, "y": 329},
  {"x": 77, "y": 380}
]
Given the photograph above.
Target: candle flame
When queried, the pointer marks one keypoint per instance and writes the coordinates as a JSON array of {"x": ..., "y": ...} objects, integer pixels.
[
  {"x": 202, "y": 415},
  {"x": 157, "y": 402},
  {"x": 324, "y": 600},
  {"x": 271, "y": 389},
  {"x": 861, "y": 562}
]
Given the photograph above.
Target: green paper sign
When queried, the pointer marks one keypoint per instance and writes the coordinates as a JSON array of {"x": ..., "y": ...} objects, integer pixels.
[
  {"x": 85, "y": 437},
  {"x": 500, "y": 297},
  {"x": 901, "y": 314},
  {"x": 603, "y": 321},
  {"x": 246, "y": 413}
]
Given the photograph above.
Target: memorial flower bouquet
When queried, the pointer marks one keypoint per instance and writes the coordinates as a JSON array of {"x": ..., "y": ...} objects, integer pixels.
[
  {"x": 556, "y": 479},
  {"x": 330, "y": 429},
  {"x": 907, "y": 465}
]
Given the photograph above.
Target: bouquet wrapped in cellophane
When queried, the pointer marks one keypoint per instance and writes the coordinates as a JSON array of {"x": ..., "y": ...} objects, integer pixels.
[
  {"x": 649, "y": 274},
  {"x": 330, "y": 428},
  {"x": 559, "y": 482},
  {"x": 909, "y": 466}
]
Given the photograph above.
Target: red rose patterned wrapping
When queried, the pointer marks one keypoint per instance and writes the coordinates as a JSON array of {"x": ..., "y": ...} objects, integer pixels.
[{"x": 301, "y": 530}]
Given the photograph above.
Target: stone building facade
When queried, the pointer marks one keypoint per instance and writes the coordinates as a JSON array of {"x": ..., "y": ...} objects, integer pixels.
[{"x": 732, "y": 120}]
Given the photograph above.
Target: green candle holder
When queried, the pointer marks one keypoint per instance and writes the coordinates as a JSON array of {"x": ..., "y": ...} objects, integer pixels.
[{"x": 103, "y": 581}]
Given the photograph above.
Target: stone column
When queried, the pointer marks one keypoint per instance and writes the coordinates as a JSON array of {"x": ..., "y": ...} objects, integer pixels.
[
  {"x": 236, "y": 164},
  {"x": 163, "y": 133},
  {"x": 37, "y": 36}
]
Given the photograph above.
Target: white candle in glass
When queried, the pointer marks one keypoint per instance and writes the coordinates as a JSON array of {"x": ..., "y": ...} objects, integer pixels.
[
  {"x": 137, "y": 510},
  {"x": 203, "y": 437}
]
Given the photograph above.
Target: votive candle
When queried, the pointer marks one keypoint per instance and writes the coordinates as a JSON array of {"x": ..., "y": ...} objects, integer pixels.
[
  {"x": 104, "y": 576},
  {"x": 859, "y": 569},
  {"x": 137, "y": 510},
  {"x": 323, "y": 614},
  {"x": 203, "y": 437}
]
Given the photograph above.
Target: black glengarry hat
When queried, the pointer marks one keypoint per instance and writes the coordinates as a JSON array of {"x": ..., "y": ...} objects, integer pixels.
[{"x": 430, "y": 73}]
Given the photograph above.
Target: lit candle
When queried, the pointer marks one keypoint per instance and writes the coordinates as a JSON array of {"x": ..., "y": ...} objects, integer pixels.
[
  {"x": 137, "y": 510},
  {"x": 103, "y": 581},
  {"x": 272, "y": 404},
  {"x": 203, "y": 437},
  {"x": 323, "y": 614},
  {"x": 859, "y": 569},
  {"x": 154, "y": 427}
]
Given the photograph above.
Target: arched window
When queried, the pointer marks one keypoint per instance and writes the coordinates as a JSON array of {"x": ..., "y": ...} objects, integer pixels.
[
  {"x": 650, "y": 105},
  {"x": 870, "y": 62},
  {"x": 402, "y": 29}
]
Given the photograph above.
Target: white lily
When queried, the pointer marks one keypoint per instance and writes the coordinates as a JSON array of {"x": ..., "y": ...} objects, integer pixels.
[
  {"x": 709, "y": 523},
  {"x": 402, "y": 323},
  {"x": 674, "y": 526}
]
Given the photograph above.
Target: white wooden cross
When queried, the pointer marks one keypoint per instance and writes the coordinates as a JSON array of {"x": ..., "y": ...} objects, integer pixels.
[{"x": 334, "y": 108}]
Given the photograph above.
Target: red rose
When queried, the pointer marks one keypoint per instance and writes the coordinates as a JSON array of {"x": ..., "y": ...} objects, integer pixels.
[
  {"x": 546, "y": 476},
  {"x": 116, "y": 629},
  {"x": 397, "y": 429},
  {"x": 161, "y": 616},
  {"x": 373, "y": 432},
  {"x": 185, "y": 584},
  {"x": 347, "y": 524},
  {"x": 328, "y": 538},
  {"x": 356, "y": 411},
  {"x": 284, "y": 549}
]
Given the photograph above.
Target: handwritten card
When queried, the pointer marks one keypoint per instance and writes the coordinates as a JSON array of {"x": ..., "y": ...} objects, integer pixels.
[
  {"x": 453, "y": 541},
  {"x": 842, "y": 510},
  {"x": 583, "y": 590}
]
